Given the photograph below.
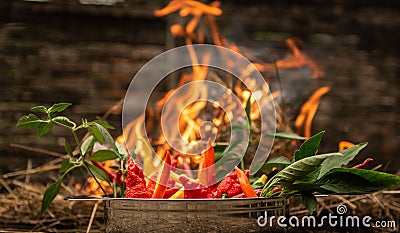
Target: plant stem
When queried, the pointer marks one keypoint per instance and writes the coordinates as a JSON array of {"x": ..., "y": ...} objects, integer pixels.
[
  {"x": 78, "y": 143},
  {"x": 242, "y": 164},
  {"x": 95, "y": 179}
]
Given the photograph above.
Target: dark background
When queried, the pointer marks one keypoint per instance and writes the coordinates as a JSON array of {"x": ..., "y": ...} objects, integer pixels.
[{"x": 63, "y": 51}]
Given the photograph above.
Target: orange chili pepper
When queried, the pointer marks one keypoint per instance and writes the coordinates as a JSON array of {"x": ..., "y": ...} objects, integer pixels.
[
  {"x": 163, "y": 177},
  {"x": 206, "y": 173},
  {"x": 245, "y": 183}
]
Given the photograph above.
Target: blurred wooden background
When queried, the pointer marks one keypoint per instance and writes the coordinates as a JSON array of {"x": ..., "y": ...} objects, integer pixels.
[{"x": 65, "y": 51}]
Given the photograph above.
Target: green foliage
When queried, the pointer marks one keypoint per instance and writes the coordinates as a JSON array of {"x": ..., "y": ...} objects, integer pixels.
[
  {"x": 280, "y": 161},
  {"x": 309, "y": 173},
  {"x": 309, "y": 147},
  {"x": 68, "y": 148},
  {"x": 356, "y": 181},
  {"x": 97, "y": 130},
  {"x": 49, "y": 195},
  {"x": 286, "y": 135},
  {"x": 347, "y": 155},
  {"x": 309, "y": 201},
  {"x": 103, "y": 155},
  {"x": 97, "y": 172}
]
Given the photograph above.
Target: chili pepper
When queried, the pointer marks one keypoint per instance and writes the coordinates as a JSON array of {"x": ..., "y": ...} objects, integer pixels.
[
  {"x": 195, "y": 190},
  {"x": 163, "y": 177},
  {"x": 206, "y": 172},
  {"x": 245, "y": 183},
  {"x": 361, "y": 165},
  {"x": 277, "y": 189},
  {"x": 262, "y": 179},
  {"x": 135, "y": 183},
  {"x": 117, "y": 178},
  {"x": 230, "y": 185},
  {"x": 174, "y": 164},
  {"x": 99, "y": 165},
  {"x": 186, "y": 167},
  {"x": 170, "y": 192},
  {"x": 242, "y": 195},
  {"x": 178, "y": 194},
  {"x": 171, "y": 189}
]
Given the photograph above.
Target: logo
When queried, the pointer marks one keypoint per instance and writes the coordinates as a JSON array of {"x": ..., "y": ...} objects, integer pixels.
[{"x": 331, "y": 220}]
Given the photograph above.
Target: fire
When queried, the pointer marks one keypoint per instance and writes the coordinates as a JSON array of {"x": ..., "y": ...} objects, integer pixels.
[
  {"x": 92, "y": 188},
  {"x": 344, "y": 145},
  {"x": 191, "y": 125},
  {"x": 308, "y": 111}
]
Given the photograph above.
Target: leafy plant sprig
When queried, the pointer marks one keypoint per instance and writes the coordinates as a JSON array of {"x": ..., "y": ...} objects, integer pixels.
[
  {"x": 84, "y": 157},
  {"x": 306, "y": 173}
]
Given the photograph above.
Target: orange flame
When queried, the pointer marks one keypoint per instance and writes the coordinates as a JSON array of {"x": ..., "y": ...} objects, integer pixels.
[
  {"x": 308, "y": 111},
  {"x": 189, "y": 122},
  {"x": 91, "y": 188},
  {"x": 344, "y": 145}
]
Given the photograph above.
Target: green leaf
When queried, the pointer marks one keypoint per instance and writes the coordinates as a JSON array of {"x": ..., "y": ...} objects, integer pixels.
[
  {"x": 97, "y": 172},
  {"x": 110, "y": 141},
  {"x": 39, "y": 109},
  {"x": 280, "y": 161},
  {"x": 103, "y": 155},
  {"x": 44, "y": 128},
  {"x": 235, "y": 128},
  {"x": 30, "y": 121},
  {"x": 64, "y": 121},
  {"x": 122, "y": 150},
  {"x": 309, "y": 147},
  {"x": 248, "y": 106},
  {"x": 68, "y": 148},
  {"x": 309, "y": 201},
  {"x": 336, "y": 162},
  {"x": 52, "y": 191},
  {"x": 49, "y": 195},
  {"x": 96, "y": 134},
  {"x": 115, "y": 168},
  {"x": 87, "y": 145},
  {"x": 56, "y": 108},
  {"x": 286, "y": 135},
  {"x": 65, "y": 165},
  {"x": 296, "y": 171},
  {"x": 104, "y": 124},
  {"x": 357, "y": 181}
]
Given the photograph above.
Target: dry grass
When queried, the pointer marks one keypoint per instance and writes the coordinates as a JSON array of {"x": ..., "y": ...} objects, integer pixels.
[{"x": 20, "y": 205}]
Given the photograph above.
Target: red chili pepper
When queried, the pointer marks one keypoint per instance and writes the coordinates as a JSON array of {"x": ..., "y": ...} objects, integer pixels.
[
  {"x": 230, "y": 185},
  {"x": 361, "y": 165},
  {"x": 242, "y": 195},
  {"x": 135, "y": 183},
  {"x": 206, "y": 172},
  {"x": 186, "y": 167},
  {"x": 245, "y": 183},
  {"x": 117, "y": 178},
  {"x": 277, "y": 189},
  {"x": 195, "y": 190},
  {"x": 170, "y": 191},
  {"x": 163, "y": 177}
]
